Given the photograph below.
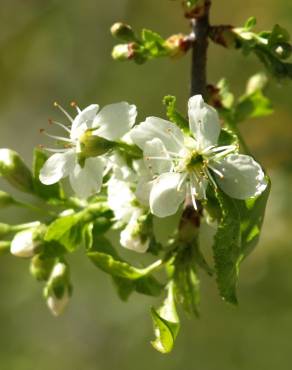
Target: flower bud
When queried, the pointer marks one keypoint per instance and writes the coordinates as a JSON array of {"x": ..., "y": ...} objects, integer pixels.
[
  {"x": 123, "y": 52},
  {"x": 177, "y": 45},
  {"x": 4, "y": 229},
  {"x": 4, "y": 247},
  {"x": 58, "y": 289},
  {"x": 13, "y": 169},
  {"x": 93, "y": 145},
  {"x": 123, "y": 32},
  {"x": 41, "y": 267},
  {"x": 6, "y": 199},
  {"x": 28, "y": 242},
  {"x": 256, "y": 82}
]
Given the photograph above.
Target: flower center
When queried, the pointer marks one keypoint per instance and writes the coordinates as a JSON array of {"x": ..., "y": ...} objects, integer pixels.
[{"x": 193, "y": 161}]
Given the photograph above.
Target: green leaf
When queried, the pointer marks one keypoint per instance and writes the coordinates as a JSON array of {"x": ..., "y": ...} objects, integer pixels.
[
  {"x": 149, "y": 36},
  {"x": 186, "y": 284},
  {"x": 47, "y": 192},
  {"x": 250, "y": 23},
  {"x": 114, "y": 267},
  {"x": 165, "y": 323},
  {"x": 252, "y": 106},
  {"x": 237, "y": 235},
  {"x": 252, "y": 213},
  {"x": 67, "y": 231},
  {"x": 173, "y": 115},
  {"x": 126, "y": 277},
  {"x": 227, "y": 248}
]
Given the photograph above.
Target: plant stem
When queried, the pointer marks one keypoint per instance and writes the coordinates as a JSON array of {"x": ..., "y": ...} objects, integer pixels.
[{"x": 200, "y": 28}]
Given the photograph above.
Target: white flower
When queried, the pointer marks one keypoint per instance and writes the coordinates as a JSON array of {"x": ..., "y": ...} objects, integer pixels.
[
  {"x": 182, "y": 165},
  {"x": 123, "y": 202},
  {"x": 111, "y": 123},
  {"x": 25, "y": 243}
]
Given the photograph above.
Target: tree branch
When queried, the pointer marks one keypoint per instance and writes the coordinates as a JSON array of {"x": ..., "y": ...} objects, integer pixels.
[{"x": 200, "y": 28}]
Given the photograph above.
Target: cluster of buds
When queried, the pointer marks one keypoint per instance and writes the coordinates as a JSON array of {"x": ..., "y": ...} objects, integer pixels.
[{"x": 141, "y": 50}]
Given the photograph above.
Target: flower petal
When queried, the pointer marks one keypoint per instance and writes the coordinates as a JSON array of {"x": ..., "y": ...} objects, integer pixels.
[
  {"x": 204, "y": 122},
  {"x": 165, "y": 198},
  {"x": 59, "y": 165},
  {"x": 143, "y": 190},
  {"x": 242, "y": 178},
  {"x": 83, "y": 121},
  {"x": 120, "y": 199},
  {"x": 156, "y": 158},
  {"x": 154, "y": 127},
  {"x": 114, "y": 120},
  {"x": 87, "y": 180}
]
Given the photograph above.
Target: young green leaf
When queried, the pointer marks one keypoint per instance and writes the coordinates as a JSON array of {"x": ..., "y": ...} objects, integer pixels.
[
  {"x": 68, "y": 231},
  {"x": 252, "y": 213},
  {"x": 173, "y": 115},
  {"x": 227, "y": 248},
  {"x": 165, "y": 323}
]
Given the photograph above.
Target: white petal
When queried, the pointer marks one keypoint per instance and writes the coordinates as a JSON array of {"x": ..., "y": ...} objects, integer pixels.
[
  {"x": 242, "y": 178},
  {"x": 165, "y": 198},
  {"x": 57, "y": 305},
  {"x": 58, "y": 166},
  {"x": 83, "y": 121},
  {"x": 114, "y": 120},
  {"x": 143, "y": 190},
  {"x": 204, "y": 122},
  {"x": 154, "y": 127},
  {"x": 87, "y": 180},
  {"x": 120, "y": 199},
  {"x": 23, "y": 244},
  {"x": 156, "y": 157}
]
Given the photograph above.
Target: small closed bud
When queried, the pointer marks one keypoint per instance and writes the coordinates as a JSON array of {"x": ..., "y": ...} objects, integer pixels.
[
  {"x": 27, "y": 243},
  {"x": 58, "y": 289},
  {"x": 123, "y": 32},
  {"x": 178, "y": 45},
  {"x": 14, "y": 170},
  {"x": 92, "y": 145},
  {"x": 124, "y": 52},
  {"x": 4, "y": 229},
  {"x": 41, "y": 267},
  {"x": 4, "y": 247},
  {"x": 256, "y": 82},
  {"x": 6, "y": 199}
]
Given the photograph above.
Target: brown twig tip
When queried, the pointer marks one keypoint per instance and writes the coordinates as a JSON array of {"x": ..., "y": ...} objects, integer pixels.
[
  {"x": 73, "y": 104},
  {"x": 42, "y": 130},
  {"x": 50, "y": 121}
]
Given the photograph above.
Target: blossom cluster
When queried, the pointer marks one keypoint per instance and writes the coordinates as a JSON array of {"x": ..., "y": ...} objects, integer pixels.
[{"x": 174, "y": 164}]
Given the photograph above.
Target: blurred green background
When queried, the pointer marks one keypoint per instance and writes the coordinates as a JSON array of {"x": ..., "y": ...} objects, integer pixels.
[{"x": 60, "y": 50}]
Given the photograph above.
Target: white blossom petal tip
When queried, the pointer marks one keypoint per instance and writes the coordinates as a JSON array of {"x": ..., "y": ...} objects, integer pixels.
[
  {"x": 204, "y": 122},
  {"x": 115, "y": 120}
]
